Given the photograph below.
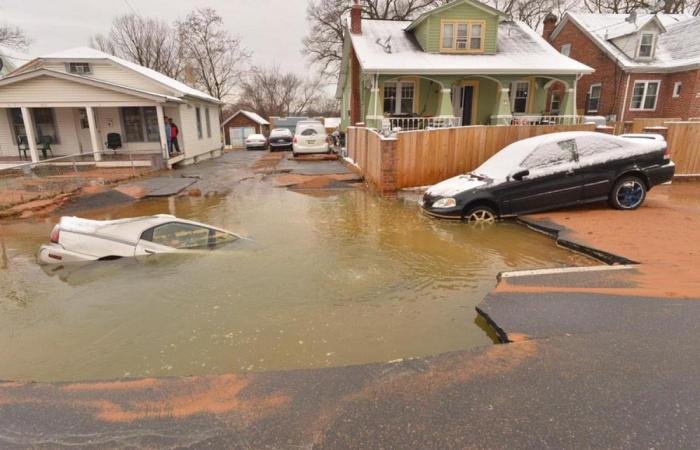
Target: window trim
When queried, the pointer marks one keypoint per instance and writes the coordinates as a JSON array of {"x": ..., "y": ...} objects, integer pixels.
[
  {"x": 144, "y": 126},
  {"x": 590, "y": 96},
  {"x": 399, "y": 96},
  {"x": 514, "y": 89},
  {"x": 653, "y": 46},
  {"x": 644, "y": 94},
  {"x": 75, "y": 72},
  {"x": 568, "y": 50},
  {"x": 677, "y": 87},
  {"x": 551, "y": 103},
  {"x": 469, "y": 24},
  {"x": 38, "y": 136},
  {"x": 198, "y": 119}
]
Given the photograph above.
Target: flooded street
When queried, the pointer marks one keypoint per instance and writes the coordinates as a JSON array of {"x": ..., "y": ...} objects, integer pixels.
[{"x": 334, "y": 278}]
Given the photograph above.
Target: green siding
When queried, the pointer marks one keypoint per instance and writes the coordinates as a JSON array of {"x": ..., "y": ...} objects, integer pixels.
[
  {"x": 464, "y": 11},
  {"x": 421, "y": 34}
]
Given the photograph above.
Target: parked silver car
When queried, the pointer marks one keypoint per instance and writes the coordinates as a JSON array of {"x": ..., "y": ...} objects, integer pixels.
[{"x": 79, "y": 240}]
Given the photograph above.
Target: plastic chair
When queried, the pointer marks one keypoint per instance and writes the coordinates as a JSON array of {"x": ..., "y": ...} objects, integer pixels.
[{"x": 22, "y": 146}]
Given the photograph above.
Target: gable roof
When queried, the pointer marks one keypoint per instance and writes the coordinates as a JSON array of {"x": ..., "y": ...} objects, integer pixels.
[
  {"x": 39, "y": 72},
  {"x": 519, "y": 51},
  {"x": 81, "y": 54},
  {"x": 677, "y": 47},
  {"x": 249, "y": 114},
  {"x": 477, "y": 4}
]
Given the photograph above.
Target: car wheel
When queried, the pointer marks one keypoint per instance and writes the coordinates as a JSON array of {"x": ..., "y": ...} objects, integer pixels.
[
  {"x": 480, "y": 215},
  {"x": 628, "y": 194}
]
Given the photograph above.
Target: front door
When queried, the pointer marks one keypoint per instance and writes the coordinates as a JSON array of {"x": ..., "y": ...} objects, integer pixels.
[
  {"x": 83, "y": 129},
  {"x": 467, "y": 104}
]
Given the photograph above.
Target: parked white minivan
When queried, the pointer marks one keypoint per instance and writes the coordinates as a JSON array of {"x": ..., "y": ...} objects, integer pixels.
[{"x": 310, "y": 137}]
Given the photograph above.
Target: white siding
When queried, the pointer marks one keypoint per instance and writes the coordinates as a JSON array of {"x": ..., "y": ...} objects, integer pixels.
[
  {"x": 189, "y": 140},
  {"x": 105, "y": 116},
  {"x": 119, "y": 75},
  {"x": 7, "y": 146},
  {"x": 67, "y": 135},
  {"x": 46, "y": 89}
]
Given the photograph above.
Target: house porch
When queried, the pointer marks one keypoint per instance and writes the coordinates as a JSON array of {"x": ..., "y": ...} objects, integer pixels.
[{"x": 421, "y": 101}]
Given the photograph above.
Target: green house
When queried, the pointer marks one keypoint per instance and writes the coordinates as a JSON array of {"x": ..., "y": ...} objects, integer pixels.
[{"x": 464, "y": 63}]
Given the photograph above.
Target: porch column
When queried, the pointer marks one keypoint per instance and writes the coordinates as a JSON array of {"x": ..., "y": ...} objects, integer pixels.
[
  {"x": 503, "y": 115},
  {"x": 31, "y": 133},
  {"x": 161, "y": 127},
  {"x": 373, "y": 119},
  {"x": 94, "y": 138},
  {"x": 445, "y": 107},
  {"x": 569, "y": 105}
]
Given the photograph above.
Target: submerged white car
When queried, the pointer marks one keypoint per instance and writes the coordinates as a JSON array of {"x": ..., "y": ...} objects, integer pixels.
[{"x": 80, "y": 240}]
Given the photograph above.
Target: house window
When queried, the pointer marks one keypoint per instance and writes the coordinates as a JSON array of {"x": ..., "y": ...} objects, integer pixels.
[
  {"x": 44, "y": 123},
  {"x": 198, "y": 113},
  {"x": 519, "y": 92},
  {"x": 79, "y": 68},
  {"x": 594, "y": 98},
  {"x": 646, "y": 46},
  {"x": 555, "y": 105},
  {"x": 645, "y": 95},
  {"x": 399, "y": 97},
  {"x": 677, "y": 89},
  {"x": 566, "y": 50},
  {"x": 140, "y": 124},
  {"x": 462, "y": 36},
  {"x": 207, "y": 121}
]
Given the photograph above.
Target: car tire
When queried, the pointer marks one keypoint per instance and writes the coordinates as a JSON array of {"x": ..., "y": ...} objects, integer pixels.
[
  {"x": 480, "y": 214},
  {"x": 628, "y": 193}
]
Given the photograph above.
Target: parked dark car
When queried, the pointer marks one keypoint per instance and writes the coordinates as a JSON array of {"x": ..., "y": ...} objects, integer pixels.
[
  {"x": 554, "y": 171},
  {"x": 281, "y": 139}
]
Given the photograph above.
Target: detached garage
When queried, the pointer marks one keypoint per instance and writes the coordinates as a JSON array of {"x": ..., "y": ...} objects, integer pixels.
[{"x": 241, "y": 125}]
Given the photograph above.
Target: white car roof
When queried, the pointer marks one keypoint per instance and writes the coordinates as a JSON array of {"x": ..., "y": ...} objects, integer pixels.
[
  {"x": 129, "y": 230},
  {"x": 256, "y": 136}
]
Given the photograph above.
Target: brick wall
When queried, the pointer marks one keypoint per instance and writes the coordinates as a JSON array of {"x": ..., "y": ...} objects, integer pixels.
[{"x": 613, "y": 81}]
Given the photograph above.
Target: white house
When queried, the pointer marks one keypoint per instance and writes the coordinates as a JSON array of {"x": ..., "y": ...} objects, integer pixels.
[{"x": 78, "y": 98}]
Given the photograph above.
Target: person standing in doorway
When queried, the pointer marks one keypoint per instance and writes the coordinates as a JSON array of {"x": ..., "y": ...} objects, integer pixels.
[
  {"x": 168, "y": 132},
  {"x": 174, "y": 132}
]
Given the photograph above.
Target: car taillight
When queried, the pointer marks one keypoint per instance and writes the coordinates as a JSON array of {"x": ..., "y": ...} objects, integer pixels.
[
  {"x": 55, "y": 233},
  {"x": 667, "y": 153}
]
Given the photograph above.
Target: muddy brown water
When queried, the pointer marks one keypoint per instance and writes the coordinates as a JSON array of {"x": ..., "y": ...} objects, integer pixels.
[{"x": 340, "y": 278}]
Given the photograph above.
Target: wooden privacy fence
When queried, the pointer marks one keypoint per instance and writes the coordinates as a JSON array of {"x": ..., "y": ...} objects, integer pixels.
[
  {"x": 424, "y": 158},
  {"x": 684, "y": 145},
  {"x": 365, "y": 150},
  {"x": 638, "y": 125}
]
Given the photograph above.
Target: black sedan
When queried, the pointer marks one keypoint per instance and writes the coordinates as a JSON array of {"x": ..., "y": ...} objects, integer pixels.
[
  {"x": 281, "y": 139},
  {"x": 554, "y": 171}
]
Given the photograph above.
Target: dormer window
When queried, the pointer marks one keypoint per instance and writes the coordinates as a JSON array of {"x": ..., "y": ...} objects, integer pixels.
[
  {"x": 462, "y": 36},
  {"x": 79, "y": 68},
  {"x": 646, "y": 46}
]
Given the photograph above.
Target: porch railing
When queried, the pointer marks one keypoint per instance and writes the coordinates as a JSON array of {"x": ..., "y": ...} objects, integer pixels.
[
  {"x": 545, "y": 120},
  {"x": 422, "y": 123}
]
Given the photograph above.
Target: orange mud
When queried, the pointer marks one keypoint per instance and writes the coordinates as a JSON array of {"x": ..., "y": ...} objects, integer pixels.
[{"x": 663, "y": 236}]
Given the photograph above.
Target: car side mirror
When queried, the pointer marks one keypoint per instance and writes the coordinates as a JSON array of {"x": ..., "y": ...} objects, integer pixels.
[{"x": 518, "y": 176}]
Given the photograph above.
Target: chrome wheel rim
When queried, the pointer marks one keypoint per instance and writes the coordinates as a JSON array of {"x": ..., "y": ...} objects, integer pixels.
[
  {"x": 481, "y": 216},
  {"x": 630, "y": 194}
]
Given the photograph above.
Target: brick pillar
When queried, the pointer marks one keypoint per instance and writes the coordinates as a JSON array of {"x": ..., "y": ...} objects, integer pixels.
[
  {"x": 549, "y": 24},
  {"x": 387, "y": 182},
  {"x": 355, "y": 105}
]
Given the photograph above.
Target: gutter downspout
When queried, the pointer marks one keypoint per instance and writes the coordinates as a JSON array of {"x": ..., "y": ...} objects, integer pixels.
[{"x": 624, "y": 99}]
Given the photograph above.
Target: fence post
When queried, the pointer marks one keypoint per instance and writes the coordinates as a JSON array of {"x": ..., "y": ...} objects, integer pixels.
[{"x": 388, "y": 148}]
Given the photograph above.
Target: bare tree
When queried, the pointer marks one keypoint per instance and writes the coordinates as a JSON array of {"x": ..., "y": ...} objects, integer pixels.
[
  {"x": 271, "y": 92},
  {"x": 214, "y": 57},
  {"x": 13, "y": 37},
  {"x": 533, "y": 12},
  {"x": 324, "y": 42},
  {"x": 627, "y": 6},
  {"x": 146, "y": 41}
]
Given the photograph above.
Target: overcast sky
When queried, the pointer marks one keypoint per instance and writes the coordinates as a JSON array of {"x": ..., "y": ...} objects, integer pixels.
[{"x": 271, "y": 29}]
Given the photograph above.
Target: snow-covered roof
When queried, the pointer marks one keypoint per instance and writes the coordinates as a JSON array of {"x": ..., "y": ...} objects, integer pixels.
[
  {"x": 677, "y": 47},
  {"x": 519, "y": 51},
  {"x": 88, "y": 53},
  {"x": 249, "y": 114}
]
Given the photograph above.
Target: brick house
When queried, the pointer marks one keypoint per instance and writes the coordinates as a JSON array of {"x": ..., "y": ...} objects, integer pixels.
[{"x": 646, "y": 65}]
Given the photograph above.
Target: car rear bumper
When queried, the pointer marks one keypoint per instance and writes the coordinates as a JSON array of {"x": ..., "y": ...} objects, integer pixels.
[
  {"x": 323, "y": 148},
  {"x": 55, "y": 254},
  {"x": 280, "y": 144},
  {"x": 660, "y": 174}
]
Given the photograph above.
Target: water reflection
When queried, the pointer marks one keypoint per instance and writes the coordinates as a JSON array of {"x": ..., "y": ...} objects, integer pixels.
[{"x": 338, "y": 279}]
